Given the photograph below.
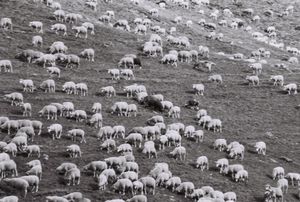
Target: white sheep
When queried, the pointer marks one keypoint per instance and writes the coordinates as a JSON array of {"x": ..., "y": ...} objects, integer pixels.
[
  {"x": 9, "y": 125},
  {"x": 73, "y": 151},
  {"x": 277, "y": 79},
  {"x": 72, "y": 17},
  {"x": 127, "y": 74},
  {"x": 261, "y": 147},
  {"x": 253, "y": 79},
  {"x": 215, "y": 124},
  {"x": 72, "y": 176},
  {"x": 140, "y": 29},
  {"x": 37, "y": 25},
  {"x": 96, "y": 120},
  {"x": 241, "y": 175},
  {"x": 256, "y": 67},
  {"x": 202, "y": 163},
  {"x": 26, "y": 109},
  {"x": 56, "y": 199},
  {"x": 59, "y": 15},
  {"x": 69, "y": 87},
  {"x": 220, "y": 144},
  {"x": 273, "y": 193},
  {"x": 216, "y": 78},
  {"x": 237, "y": 151},
  {"x": 7, "y": 65},
  {"x": 222, "y": 163},
  {"x": 37, "y": 41},
  {"x": 170, "y": 59},
  {"x": 123, "y": 185},
  {"x": 33, "y": 181},
  {"x": 109, "y": 145},
  {"x": 290, "y": 87},
  {"x": 92, "y": 5},
  {"x": 135, "y": 138},
  {"x": 55, "y": 130},
  {"x": 74, "y": 196},
  {"x": 132, "y": 108},
  {"x": 233, "y": 169},
  {"x": 33, "y": 163},
  {"x": 80, "y": 30},
  {"x": 96, "y": 167},
  {"x": 198, "y": 89},
  {"x": 283, "y": 184},
  {"x": 10, "y": 148},
  {"x": 115, "y": 73},
  {"x": 27, "y": 85},
  {"x": 148, "y": 182},
  {"x": 97, "y": 107},
  {"x": 48, "y": 85},
  {"x": 105, "y": 132},
  {"x": 77, "y": 133},
  {"x": 68, "y": 107},
  {"x": 64, "y": 167},
  {"x": 51, "y": 111},
  {"x": 33, "y": 149},
  {"x": 9, "y": 199},
  {"x": 121, "y": 108},
  {"x": 149, "y": 149},
  {"x": 18, "y": 183},
  {"x": 46, "y": 59},
  {"x": 82, "y": 88},
  {"x": 15, "y": 98},
  {"x": 132, "y": 166},
  {"x": 89, "y": 53},
  {"x": 79, "y": 115},
  {"x": 186, "y": 187},
  {"x": 174, "y": 112},
  {"x": 102, "y": 181},
  {"x": 124, "y": 148},
  {"x": 293, "y": 177},
  {"x": 59, "y": 27},
  {"x": 179, "y": 152},
  {"x": 53, "y": 71},
  {"x": 6, "y": 23}
]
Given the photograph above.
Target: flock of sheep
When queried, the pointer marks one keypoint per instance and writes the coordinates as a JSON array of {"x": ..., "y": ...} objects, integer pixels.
[{"x": 121, "y": 173}]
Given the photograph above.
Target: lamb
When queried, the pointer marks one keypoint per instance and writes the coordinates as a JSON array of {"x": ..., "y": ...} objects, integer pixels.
[
  {"x": 45, "y": 59},
  {"x": 127, "y": 74},
  {"x": 6, "y": 23},
  {"x": 20, "y": 140},
  {"x": 59, "y": 15},
  {"x": 9, "y": 199},
  {"x": 123, "y": 185},
  {"x": 56, "y": 199},
  {"x": 148, "y": 182},
  {"x": 27, "y": 85},
  {"x": 186, "y": 187},
  {"x": 96, "y": 120},
  {"x": 283, "y": 184},
  {"x": 277, "y": 79},
  {"x": 77, "y": 133},
  {"x": 184, "y": 56},
  {"x": 290, "y": 87},
  {"x": 89, "y": 54},
  {"x": 33, "y": 181},
  {"x": 26, "y": 109},
  {"x": 51, "y": 111},
  {"x": 82, "y": 88},
  {"x": 53, "y": 71},
  {"x": 10, "y": 124},
  {"x": 135, "y": 138},
  {"x": 33, "y": 149},
  {"x": 48, "y": 85},
  {"x": 198, "y": 88},
  {"x": 261, "y": 147},
  {"x": 179, "y": 152},
  {"x": 216, "y": 124},
  {"x": 18, "y": 183},
  {"x": 79, "y": 115},
  {"x": 74, "y": 196},
  {"x": 96, "y": 167},
  {"x": 102, "y": 181},
  {"x": 72, "y": 176},
  {"x": 216, "y": 78},
  {"x": 131, "y": 175},
  {"x": 293, "y": 177},
  {"x": 64, "y": 167},
  {"x": 253, "y": 79},
  {"x": 137, "y": 198},
  {"x": 241, "y": 175},
  {"x": 220, "y": 144},
  {"x": 121, "y": 108},
  {"x": 80, "y": 30},
  {"x": 37, "y": 41},
  {"x": 222, "y": 163},
  {"x": 119, "y": 130},
  {"x": 105, "y": 132},
  {"x": 37, "y": 25},
  {"x": 174, "y": 112},
  {"x": 15, "y": 98},
  {"x": 202, "y": 162},
  {"x": 8, "y": 167},
  {"x": 56, "y": 130},
  {"x": 73, "y": 151}
]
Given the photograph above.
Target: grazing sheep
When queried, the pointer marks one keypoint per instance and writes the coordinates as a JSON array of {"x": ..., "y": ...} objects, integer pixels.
[
  {"x": 18, "y": 183},
  {"x": 9, "y": 199},
  {"x": 233, "y": 169},
  {"x": 96, "y": 167},
  {"x": 105, "y": 132},
  {"x": 15, "y": 98},
  {"x": 59, "y": 15},
  {"x": 261, "y": 147},
  {"x": 68, "y": 107},
  {"x": 278, "y": 80},
  {"x": 149, "y": 148},
  {"x": 58, "y": 27},
  {"x": 74, "y": 196},
  {"x": 222, "y": 164},
  {"x": 7, "y": 65},
  {"x": 256, "y": 67},
  {"x": 33, "y": 163},
  {"x": 64, "y": 167},
  {"x": 131, "y": 166},
  {"x": 132, "y": 108},
  {"x": 122, "y": 185},
  {"x": 127, "y": 74},
  {"x": 237, "y": 151},
  {"x": 8, "y": 168},
  {"x": 135, "y": 138},
  {"x": 137, "y": 198},
  {"x": 124, "y": 148},
  {"x": 77, "y": 133},
  {"x": 179, "y": 152},
  {"x": 110, "y": 174},
  {"x": 48, "y": 85},
  {"x": 216, "y": 78},
  {"x": 72, "y": 18},
  {"x": 220, "y": 144},
  {"x": 290, "y": 87},
  {"x": 53, "y": 71},
  {"x": 80, "y": 30},
  {"x": 27, "y": 85},
  {"x": 72, "y": 176},
  {"x": 293, "y": 177},
  {"x": 92, "y": 5},
  {"x": 82, "y": 88},
  {"x": 253, "y": 79},
  {"x": 202, "y": 162},
  {"x": 174, "y": 112},
  {"x": 56, "y": 130},
  {"x": 102, "y": 181},
  {"x": 198, "y": 88},
  {"x": 26, "y": 109},
  {"x": 96, "y": 120},
  {"x": 241, "y": 175},
  {"x": 9, "y": 125},
  {"x": 56, "y": 199},
  {"x": 73, "y": 151},
  {"x": 115, "y": 73},
  {"x": 283, "y": 184},
  {"x": 273, "y": 193},
  {"x": 148, "y": 182},
  {"x": 121, "y": 108},
  {"x": 6, "y": 23},
  {"x": 33, "y": 182},
  {"x": 37, "y": 41},
  {"x": 33, "y": 149},
  {"x": 89, "y": 54},
  {"x": 37, "y": 25},
  {"x": 79, "y": 115},
  {"x": 170, "y": 59},
  {"x": 97, "y": 107},
  {"x": 51, "y": 111},
  {"x": 215, "y": 124},
  {"x": 186, "y": 187},
  {"x": 46, "y": 59}
]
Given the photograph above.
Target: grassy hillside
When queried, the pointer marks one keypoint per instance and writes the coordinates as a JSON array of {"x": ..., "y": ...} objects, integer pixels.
[{"x": 249, "y": 114}]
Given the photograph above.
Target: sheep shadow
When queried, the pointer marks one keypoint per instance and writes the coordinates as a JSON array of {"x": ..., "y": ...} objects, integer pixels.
[{"x": 252, "y": 151}]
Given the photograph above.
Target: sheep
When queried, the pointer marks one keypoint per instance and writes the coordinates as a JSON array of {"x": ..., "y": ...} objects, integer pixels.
[
  {"x": 202, "y": 162},
  {"x": 9, "y": 199},
  {"x": 170, "y": 59},
  {"x": 33, "y": 163},
  {"x": 56, "y": 199},
  {"x": 216, "y": 78},
  {"x": 148, "y": 182},
  {"x": 8, "y": 166},
  {"x": 68, "y": 107},
  {"x": 189, "y": 130},
  {"x": 77, "y": 133},
  {"x": 7, "y": 65},
  {"x": 173, "y": 182},
  {"x": 51, "y": 111},
  {"x": 73, "y": 151},
  {"x": 174, "y": 112},
  {"x": 16, "y": 98},
  {"x": 127, "y": 74},
  {"x": 37, "y": 25},
  {"x": 215, "y": 124},
  {"x": 110, "y": 13},
  {"x": 26, "y": 109},
  {"x": 237, "y": 152},
  {"x": 126, "y": 62},
  {"x": 132, "y": 108},
  {"x": 59, "y": 15},
  {"x": 80, "y": 30},
  {"x": 56, "y": 130},
  {"x": 74, "y": 196},
  {"x": 273, "y": 193},
  {"x": 37, "y": 41},
  {"x": 64, "y": 167},
  {"x": 9, "y": 125},
  {"x": 290, "y": 87},
  {"x": 241, "y": 175},
  {"x": 293, "y": 177},
  {"x": 18, "y": 183},
  {"x": 96, "y": 120},
  {"x": 220, "y": 144},
  {"x": 33, "y": 181},
  {"x": 140, "y": 29},
  {"x": 105, "y": 132},
  {"x": 72, "y": 176},
  {"x": 131, "y": 166},
  {"x": 198, "y": 89},
  {"x": 102, "y": 181},
  {"x": 89, "y": 54},
  {"x": 124, "y": 148},
  {"x": 69, "y": 87},
  {"x": 92, "y": 5},
  {"x": 222, "y": 163},
  {"x": 135, "y": 138},
  {"x": 283, "y": 184},
  {"x": 72, "y": 17},
  {"x": 110, "y": 174},
  {"x": 119, "y": 130},
  {"x": 173, "y": 137},
  {"x": 2, "y": 145},
  {"x": 27, "y": 85},
  {"x": 104, "y": 18},
  {"x": 253, "y": 79},
  {"x": 131, "y": 175},
  {"x": 149, "y": 149},
  {"x": 233, "y": 169},
  {"x": 277, "y": 79},
  {"x": 82, "y": 88},
  {"x": 96, "y": 167},
  {"x": 58, "y": 47},
  {"x": 121, "y": 108},
  {"x": 122, "y": 24},
  {"x": 179, "y": 152},
  {"x": 137, "y": 198},
  {"x": 186, "y": 187},
  {"x": 261, "y": 147},
  {"x": 6, "y": 23},
  {"x": 256, "y": 67},
  {"x": 53, "y": 71},
  {"x": 184, "y": 56},
  {"x": 48, "y": 85},
  {"x": 45, "y": 59},
  {"x": 115, "y": 73},
  {"x": 33, "y": 149},
  {"x": 123, "y": 185}
]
